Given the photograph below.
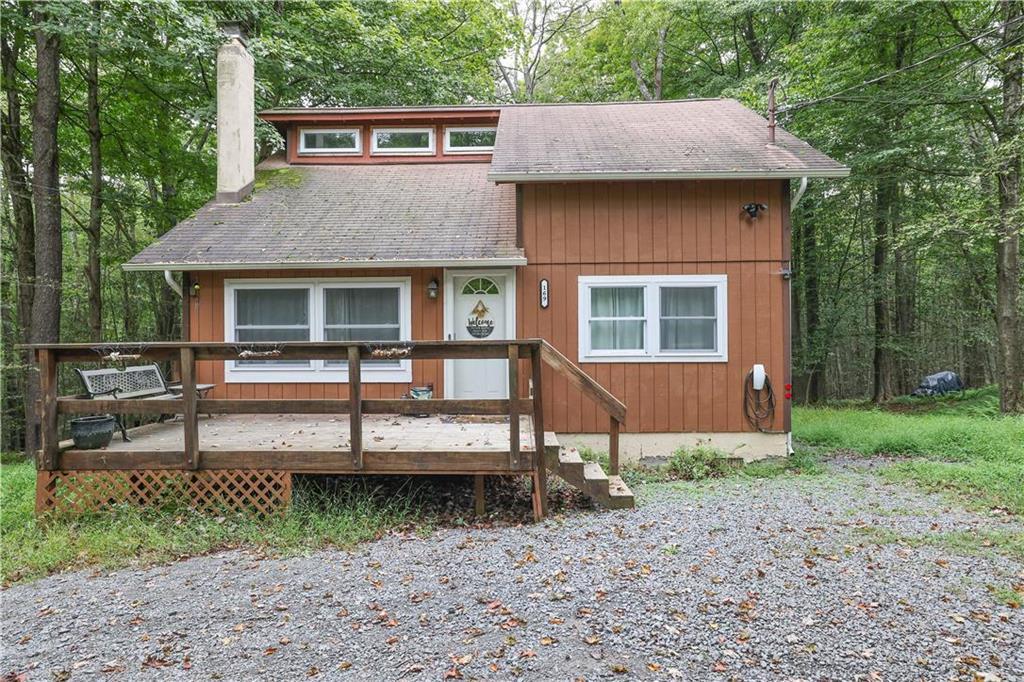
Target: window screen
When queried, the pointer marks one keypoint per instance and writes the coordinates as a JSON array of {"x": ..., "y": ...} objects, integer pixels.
[
  {"x": 688, "y": 319},
  {"x": 617, "y": 318},
  {"x": 272, "y": 315},
  {"x": 362, "y": 314}
]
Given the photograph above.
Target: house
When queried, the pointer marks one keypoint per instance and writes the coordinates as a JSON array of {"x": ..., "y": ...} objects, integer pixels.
[{"x": 648, "y": 242}]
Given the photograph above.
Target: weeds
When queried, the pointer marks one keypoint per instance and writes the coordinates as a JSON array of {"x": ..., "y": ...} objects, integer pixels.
[{"x": 698, "y": 463}]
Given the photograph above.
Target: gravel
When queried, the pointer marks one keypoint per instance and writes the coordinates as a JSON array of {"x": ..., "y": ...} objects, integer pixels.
[{"x": 755, "y": 580}]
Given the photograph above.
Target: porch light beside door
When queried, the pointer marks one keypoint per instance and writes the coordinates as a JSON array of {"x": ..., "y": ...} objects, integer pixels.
[{"x": 432, "y": 289}]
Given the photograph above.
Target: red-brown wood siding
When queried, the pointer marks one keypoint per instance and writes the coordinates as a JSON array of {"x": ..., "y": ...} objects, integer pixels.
[
  {"x": 207, "y": 324},
  {"x": 660, "y": 228}
]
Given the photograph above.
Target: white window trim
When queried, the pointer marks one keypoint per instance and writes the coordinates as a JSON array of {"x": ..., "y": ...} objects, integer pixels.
[
  {"x": 333, "y": 151},
  {"x": 449, "y": 149},
  {"x": 318, "y": 372},
  {"x": 652, "y": 312},
  {"x": 402, "y": 151}
]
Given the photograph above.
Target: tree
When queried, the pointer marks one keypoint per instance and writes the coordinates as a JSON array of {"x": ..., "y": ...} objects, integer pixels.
[
  {"x": 539, "y": 25},
  {"x": 44, "y": 326}
]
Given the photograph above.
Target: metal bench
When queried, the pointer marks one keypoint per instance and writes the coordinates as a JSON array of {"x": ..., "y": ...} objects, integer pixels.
[{"x": 142, "y": 382}]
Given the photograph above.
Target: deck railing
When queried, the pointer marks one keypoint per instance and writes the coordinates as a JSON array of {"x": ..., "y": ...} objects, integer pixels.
[{"x": 192, "y": 457}]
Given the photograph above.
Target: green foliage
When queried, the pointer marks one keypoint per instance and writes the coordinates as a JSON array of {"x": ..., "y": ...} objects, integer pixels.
[
  {"x": 981, "y": 484},
  {"x": 951, "y": 445},
  {"x": 961, "y": 542},
  {"x": 698, "y": 463},
  {"x": 947, "y": 436},
  {"x": 157, "y": 82},
  {"x": 974, "y": 402},
  {"x": 803, "y": 462},
  {"x": 130, "y": 535}
]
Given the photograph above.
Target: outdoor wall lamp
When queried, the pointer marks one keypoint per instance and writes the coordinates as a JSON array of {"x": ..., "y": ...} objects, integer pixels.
[
  {"x": 432, "y": 289},
  {"x": 754, "y": 209}
]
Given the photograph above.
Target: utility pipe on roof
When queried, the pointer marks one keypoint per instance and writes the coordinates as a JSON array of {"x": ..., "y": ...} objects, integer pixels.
[
  {"x": 172, "y": 283},
  {"x": 799, "y": 193}
]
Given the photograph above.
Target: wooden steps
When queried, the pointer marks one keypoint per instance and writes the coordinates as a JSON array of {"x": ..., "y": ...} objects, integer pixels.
[{"x": 610, "y": 492}]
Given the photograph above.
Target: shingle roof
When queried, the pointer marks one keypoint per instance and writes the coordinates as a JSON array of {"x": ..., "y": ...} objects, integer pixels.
[
  {"x": 717, "y": 138},
  {"x": 347, "y": 215}
]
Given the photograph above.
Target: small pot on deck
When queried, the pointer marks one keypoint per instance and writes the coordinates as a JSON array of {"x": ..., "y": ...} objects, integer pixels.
[
  {"x": 91, "y": 433},
  {"x": 421, "y": 393}
]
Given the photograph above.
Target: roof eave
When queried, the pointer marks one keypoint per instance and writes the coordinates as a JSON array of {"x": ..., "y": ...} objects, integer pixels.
[
  {"x": 786, "y": 174},
  {"x": 510, "y": 261}
]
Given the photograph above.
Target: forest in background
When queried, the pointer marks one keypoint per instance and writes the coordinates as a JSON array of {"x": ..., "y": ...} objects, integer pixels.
[{"x": 908, "y": 267}]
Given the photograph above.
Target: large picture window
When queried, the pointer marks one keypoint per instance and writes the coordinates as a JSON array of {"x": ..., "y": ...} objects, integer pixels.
[
  {"x": 364, "y": 309},
  {"x": 661, "y": 318}
]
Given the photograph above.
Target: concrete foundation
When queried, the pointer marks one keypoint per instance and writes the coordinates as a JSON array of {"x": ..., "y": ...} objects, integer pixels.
[{"x": 652, "y": 448}]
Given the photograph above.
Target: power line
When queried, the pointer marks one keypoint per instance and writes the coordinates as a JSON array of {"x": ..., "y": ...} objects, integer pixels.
[{"x": 802, "y": 105}]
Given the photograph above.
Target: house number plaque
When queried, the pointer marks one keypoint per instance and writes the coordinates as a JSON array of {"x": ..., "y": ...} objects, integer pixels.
[{"x": 544, "y": 293}]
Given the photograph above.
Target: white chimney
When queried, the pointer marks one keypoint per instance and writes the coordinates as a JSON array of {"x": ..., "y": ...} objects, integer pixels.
[{"x": 236, "y": 124}]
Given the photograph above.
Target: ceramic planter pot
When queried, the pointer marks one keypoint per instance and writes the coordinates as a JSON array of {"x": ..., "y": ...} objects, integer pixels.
[{"x": 91, "y": 433}]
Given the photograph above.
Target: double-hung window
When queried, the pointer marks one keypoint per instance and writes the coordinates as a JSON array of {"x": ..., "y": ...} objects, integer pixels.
[
  {"x": 262, "y": 312},
  {"x": 656, "y": 318}
]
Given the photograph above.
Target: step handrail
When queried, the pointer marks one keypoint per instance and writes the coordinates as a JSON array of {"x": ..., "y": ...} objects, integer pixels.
[{"x": 583, "y": 381}]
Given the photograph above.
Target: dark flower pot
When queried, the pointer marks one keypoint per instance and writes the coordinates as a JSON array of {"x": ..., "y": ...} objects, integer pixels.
[{"x": 90, "y": 433}]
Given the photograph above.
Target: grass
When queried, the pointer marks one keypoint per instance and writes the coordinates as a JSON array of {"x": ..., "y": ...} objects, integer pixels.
[
  {"x": 956, "y": 444},
  {"x": 959, "y": 542},
  {"x": 129, "y": 535}
]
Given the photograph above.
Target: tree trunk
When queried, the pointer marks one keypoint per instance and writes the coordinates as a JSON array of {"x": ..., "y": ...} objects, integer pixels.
[
  {"x": 45, "y": 320},
  {"x": 12, "y": 150},
  {"x": 18, "y": 185},
  {"x": 881, "y": 361},
  {"x": 1011, "y": 371},
  {"x": 94, "y": 229},
  {"x": 812, "y": 302}
]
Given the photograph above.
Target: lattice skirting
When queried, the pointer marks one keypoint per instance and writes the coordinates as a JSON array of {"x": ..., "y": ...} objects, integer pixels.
[{"x": 211, "y": 490}]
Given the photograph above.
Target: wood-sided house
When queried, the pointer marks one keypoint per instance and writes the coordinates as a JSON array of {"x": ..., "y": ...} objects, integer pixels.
[{"x": 648, "y": 242}]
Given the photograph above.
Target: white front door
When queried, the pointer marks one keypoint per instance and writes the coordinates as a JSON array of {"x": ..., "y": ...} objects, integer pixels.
[{"x": 479, "y": 312}]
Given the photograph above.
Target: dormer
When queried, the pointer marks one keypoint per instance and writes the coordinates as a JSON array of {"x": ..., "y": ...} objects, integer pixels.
[{"x": 464, "y": 134}]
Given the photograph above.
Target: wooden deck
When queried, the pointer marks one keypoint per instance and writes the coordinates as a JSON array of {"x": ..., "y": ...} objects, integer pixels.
[
  {"x": 320, "y": 443},
  {"x": 246, "y": 452}
]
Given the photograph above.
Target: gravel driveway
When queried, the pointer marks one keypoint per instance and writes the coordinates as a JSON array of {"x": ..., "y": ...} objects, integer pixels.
[{"x": 764, "y": 580}]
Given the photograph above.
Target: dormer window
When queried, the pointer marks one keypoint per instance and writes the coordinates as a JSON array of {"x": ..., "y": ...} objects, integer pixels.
[
  {"x": 469, "y": 140},
  {"x": 330, "y": 141},
  {"x": 404, "y": 141}
]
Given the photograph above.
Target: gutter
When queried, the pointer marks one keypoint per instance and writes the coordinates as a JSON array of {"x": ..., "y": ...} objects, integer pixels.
[
  {"x": 169, "y": 278},
  {"x": 513, "y": 261},
  {"x": 500, "y": 177},
  {"x": 799, "y": 193}
]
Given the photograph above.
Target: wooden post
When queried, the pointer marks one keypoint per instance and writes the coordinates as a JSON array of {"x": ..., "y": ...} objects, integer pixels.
[
  {"x": 540, "y": 465},
  {"x": 613, "y": 446},
  {"x": 513, "y": 406},
  {"x": 478, "y": 495},
  {"x": 355, "y": 399},
  {"x": 188, "y": 410},
  {"x": 49, "y": 439}
]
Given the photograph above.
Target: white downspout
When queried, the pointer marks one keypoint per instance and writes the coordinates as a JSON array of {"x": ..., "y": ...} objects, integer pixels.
[
  {"x": 799, "y": 193},
  {"x": 175, "y": 287}
]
